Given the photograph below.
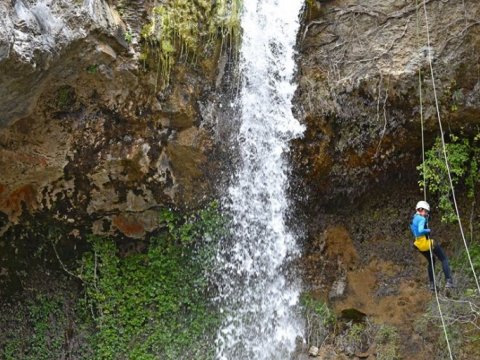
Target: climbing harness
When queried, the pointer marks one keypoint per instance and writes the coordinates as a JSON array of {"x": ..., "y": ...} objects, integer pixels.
[{"x": 423, "y": 243}]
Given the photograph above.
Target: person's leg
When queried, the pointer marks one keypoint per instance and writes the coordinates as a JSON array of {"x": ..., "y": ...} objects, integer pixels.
[
  {"x": 429, "y": 265},
  {"x": 440, "y": 254}
]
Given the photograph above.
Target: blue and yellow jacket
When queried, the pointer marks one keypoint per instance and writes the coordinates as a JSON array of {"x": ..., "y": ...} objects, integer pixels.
[{"x": 419, "y": 226}]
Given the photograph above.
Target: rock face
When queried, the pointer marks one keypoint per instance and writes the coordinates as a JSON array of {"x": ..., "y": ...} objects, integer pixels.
[
  {"x": 89, "y": 139},
  {"x": 357, "y": 181},
  {"x": 35, "y": 36},
  {"x": 85, "y": 132},
  {"x": 359, "y": 88}
]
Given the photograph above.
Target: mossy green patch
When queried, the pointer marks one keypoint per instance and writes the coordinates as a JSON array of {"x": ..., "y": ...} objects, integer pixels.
[
  {"x": 183, "y": 29},
  {"x": 155, "y": 304},
  {"x": 92, "y": 69},
  {"x": 44, "y": 325},
  {"x": 387, "y": 340},
  {"x": 65, "y": 97}
]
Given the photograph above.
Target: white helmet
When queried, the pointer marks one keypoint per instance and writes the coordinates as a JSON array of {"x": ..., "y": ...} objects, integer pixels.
[{"x": 422, "y": 205}]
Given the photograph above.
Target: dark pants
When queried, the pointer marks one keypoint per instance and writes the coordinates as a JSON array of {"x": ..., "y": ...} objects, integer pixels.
[{"x": 440, "y": 254}]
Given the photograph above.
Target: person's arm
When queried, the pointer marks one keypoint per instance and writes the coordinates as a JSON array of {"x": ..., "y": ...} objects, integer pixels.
[{"x": 421, "y": 229}]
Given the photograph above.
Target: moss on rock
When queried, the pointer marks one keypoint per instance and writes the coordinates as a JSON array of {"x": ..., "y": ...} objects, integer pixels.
[{"x": 182, "y": 29}]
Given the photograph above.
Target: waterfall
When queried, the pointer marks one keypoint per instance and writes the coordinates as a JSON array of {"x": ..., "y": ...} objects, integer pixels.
[{"x": 258, "y": 300}]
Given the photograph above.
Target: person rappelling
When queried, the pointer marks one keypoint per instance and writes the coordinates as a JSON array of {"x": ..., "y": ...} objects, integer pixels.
[{"x": 425, "y": 245}]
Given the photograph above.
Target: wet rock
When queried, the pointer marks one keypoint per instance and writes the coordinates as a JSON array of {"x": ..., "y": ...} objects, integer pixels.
[
  {"x": 327, "y": 352},
  {"x": 179, "y": 111},
  {"x": 339, "y": 247},
  {"x": 358, "y": 91},
  {"x": 313, "y": 351},
  {"x": 107, "y": 50},
  {"x": 13, "y": 200},
  {"x": 84, "y": 132},
  {"x": 338, "y": 289},
  {"x": 37, "y": 34},
  {"x": 129, "y": 226}
]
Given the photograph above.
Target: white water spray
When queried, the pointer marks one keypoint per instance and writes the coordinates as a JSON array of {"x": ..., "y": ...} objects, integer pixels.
[{"x": 256, "y": 298}]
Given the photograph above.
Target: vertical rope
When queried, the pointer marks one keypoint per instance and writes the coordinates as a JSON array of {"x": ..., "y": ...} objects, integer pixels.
[
  {"x": 424, "y": 179},
  {"x": 420, "y": 91},
  {"x": 445, "y": 150},
  {"x": 438, "y": 303}
]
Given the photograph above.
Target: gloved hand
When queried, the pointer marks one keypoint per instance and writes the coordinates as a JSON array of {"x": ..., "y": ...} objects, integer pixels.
[{"x": 428, "y": 231}]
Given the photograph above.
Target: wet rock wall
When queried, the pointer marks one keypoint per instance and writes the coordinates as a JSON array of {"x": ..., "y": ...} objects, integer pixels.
[
  {"x": 86, "y": 126},
  {"x": 359, "y": 94}
]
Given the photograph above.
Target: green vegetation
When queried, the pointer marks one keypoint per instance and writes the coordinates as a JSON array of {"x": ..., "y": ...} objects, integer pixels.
[
  {"x": 387, "y": 340},
  {"x": 65, "y": 97},
  {"x": 128, "y": 36},
  {"x": 460, "y": 311},
  {"x": 153, "y": 304},
  {"x": 461, "y": 263},
  {"x": 92, "y": 69},
  {"x": 46, "y": 339},
  {"x": 322, "y": 325},
  {"x": 453, "y": 96},
  {"x": 356, "y": 335},
  {"x": 41, "y": 328},
  {"x": 461, "y": 314},
  {"x": 319, "y": 317},
  {"x": 464, "y": 159},
  {"x": 362, "y": 336},
  {"x": 183, "y": 29}
]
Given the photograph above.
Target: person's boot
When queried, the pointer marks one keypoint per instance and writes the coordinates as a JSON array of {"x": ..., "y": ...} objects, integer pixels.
[
  {"x": 449, "y": 284},
  {"x": 432, "y": 286}
]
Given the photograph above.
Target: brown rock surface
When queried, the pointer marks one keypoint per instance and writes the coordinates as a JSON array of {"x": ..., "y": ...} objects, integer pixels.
[
  {"x": 356, "y": 172},
  {"x": 358, "y": 89},
  {"x": 85, "y": 132}
]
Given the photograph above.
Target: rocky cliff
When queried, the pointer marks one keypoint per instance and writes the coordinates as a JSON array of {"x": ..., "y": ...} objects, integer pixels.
[
  {"x": 88, "y": 128},
  {"x": 361, "y": 67},
  {"x": 95, "y": 138},
  {"x": 89, "y": 132},
  {"x": 359, "y": 88}
]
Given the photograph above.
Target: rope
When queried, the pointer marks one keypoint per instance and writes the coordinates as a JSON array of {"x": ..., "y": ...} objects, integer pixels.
[
  {"x": 445, "y": 150},
  {"x": 420, "y": 92},
  {"x": 425, "y": 183},
  {"x": 438, "y": 303}
]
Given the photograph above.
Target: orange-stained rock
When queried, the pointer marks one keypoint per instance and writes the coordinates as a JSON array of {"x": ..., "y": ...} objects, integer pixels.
[
  {"x": 25, "y": 158},
  {"x": 11, "y": 202},
  {"x": 129, "y": 226},
  {"x": 339, "y": 246},
  {"x": 401, "y": 308}
]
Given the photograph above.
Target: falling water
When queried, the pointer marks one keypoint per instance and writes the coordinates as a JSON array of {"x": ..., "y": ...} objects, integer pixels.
[{"x": 257, "y": 299}]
